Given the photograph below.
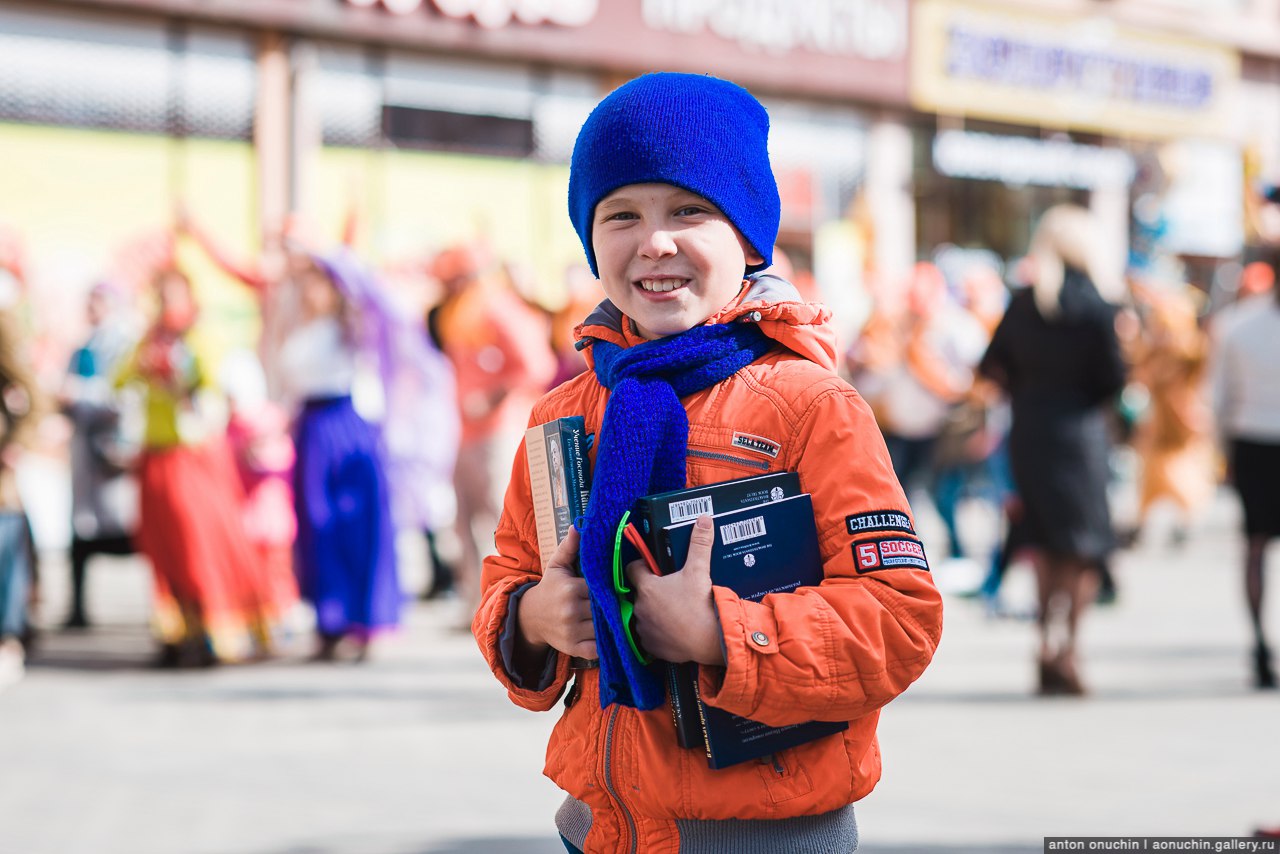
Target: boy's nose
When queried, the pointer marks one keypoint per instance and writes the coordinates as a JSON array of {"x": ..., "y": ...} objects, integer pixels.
[{"x": 658, "y": 243}]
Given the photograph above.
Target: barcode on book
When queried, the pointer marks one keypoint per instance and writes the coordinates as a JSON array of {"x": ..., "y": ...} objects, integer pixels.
[
  {"x": 692, "y": 508},
  {"x": 744, "y": 530}
]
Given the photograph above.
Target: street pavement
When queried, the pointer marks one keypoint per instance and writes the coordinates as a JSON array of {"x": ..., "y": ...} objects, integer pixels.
[{"x": 419, "y": 752}]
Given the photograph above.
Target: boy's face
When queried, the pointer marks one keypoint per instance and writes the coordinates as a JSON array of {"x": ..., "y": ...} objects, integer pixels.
[{"x": 668, "y": 258}]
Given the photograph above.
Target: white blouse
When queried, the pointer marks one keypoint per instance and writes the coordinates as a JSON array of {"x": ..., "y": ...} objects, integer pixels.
[{"x": 316, "y": 360}]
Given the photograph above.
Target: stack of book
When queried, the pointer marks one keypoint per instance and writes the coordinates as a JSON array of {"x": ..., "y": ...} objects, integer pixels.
[
  {"x": 766, "y": 542},
  {"x": 559, "y": 477}
]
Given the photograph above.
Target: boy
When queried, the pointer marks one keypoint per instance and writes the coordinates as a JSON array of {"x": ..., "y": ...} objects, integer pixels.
[{"x": 700, "y": 375}]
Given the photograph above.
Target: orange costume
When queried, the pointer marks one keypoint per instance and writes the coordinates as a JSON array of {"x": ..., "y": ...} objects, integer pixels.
[
  {"x": 503, "y": 363},
  {"x": 1175, "y": 439},
  {"x": 839, "y": 651}
]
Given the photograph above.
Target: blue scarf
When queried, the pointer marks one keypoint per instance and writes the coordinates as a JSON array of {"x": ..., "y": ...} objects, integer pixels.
[{"x": 641, "y": 450}]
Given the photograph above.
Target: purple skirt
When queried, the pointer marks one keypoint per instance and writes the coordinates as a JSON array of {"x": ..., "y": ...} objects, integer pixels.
[{"x": 345, "y": 548}]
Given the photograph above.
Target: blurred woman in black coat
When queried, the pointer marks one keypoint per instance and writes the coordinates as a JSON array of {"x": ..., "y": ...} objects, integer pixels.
[{"x": 1056, "y": 354}]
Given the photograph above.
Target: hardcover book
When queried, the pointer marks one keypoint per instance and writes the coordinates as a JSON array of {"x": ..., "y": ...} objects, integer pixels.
[
  {"x": 654, "y": 513},
  {"x": 758, "y": 550},
  {"x": 560, "y": 478}
]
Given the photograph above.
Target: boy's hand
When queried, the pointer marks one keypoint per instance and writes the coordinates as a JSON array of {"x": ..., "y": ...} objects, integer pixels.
[
  {"x": 556, "y": 612},
  {"x": 675, "y": 617}
]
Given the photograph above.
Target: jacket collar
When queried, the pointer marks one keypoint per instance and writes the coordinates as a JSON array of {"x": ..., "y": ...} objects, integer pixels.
[{"x": 766, "y": 299}]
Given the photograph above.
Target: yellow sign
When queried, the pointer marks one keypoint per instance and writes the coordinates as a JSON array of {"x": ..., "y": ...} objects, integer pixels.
[{"x": 1080, "y": 73}]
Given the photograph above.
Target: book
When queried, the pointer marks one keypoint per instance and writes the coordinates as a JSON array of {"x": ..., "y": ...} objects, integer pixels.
[
  {"x": 656, "y": 512},
  {"x": 653, "y": 513},
  {"x": 559, "y": 477},
  {"x": 758, "y": 550}
]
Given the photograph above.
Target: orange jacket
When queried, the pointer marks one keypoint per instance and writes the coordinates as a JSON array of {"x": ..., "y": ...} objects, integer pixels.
[
  {"x": 839, "y": 651},
  {"x": 501, "y": 357}
]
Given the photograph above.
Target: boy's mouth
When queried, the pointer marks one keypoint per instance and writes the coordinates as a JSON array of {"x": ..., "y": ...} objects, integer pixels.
[{"x": 662, "y": 285}]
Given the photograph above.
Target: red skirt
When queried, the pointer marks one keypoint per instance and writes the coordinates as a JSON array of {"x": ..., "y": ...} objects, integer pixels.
[{"x": 210, "y": 581}]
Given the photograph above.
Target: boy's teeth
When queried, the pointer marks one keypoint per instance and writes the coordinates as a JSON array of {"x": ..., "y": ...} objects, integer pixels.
[{"x": 661, "y": 284}]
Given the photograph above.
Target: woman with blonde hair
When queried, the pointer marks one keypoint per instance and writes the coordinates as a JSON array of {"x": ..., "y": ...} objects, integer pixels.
[{"x": 1056, "y": 354}]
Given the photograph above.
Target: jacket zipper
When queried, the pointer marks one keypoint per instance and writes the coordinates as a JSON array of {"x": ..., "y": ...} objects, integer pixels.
[
  {"x": 608, "y": 777},
  {"x": 729, "y": 458}
]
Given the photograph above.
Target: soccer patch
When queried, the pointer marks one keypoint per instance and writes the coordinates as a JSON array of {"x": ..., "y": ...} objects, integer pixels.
[
  {"x": 889, "y": 553},
  {"x": 879, "y": 520}
]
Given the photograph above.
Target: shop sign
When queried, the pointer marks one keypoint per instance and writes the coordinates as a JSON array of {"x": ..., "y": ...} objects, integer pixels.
[
  {"x": 871, "y": 29},
  {"x": 1024, "y": 160},
  {"x": 846, "y": 49},
  {"x": 494, "y": 14},
  {"x": 1087, "y": 73}
]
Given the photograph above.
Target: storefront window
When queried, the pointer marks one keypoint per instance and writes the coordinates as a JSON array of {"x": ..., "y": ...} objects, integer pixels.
[{"x": 973, "y": 209}]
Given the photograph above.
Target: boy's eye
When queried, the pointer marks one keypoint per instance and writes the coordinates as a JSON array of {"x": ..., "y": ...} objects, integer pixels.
[
  {"x": 620, "y": 215},
  {"x": 690, "y": 210}
]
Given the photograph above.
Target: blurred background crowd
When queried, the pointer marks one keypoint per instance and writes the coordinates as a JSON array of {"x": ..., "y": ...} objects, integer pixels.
[{"x": 280, "y": 279}]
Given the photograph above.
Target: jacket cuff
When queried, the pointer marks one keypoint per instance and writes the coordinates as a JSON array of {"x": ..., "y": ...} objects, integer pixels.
[
  {"x": 495, "y": 632},
  {"x": 750, "y": 635},
  {"x": 507, "y": 649}
]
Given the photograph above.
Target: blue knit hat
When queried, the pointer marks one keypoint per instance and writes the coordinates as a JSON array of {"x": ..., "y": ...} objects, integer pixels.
[{"x": 694, "y": 131}]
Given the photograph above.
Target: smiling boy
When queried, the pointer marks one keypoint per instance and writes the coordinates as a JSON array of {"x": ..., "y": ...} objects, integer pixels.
[{"x": 703, "y": 371}]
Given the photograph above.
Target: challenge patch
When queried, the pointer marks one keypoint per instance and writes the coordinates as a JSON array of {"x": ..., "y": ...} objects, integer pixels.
[
  {"x": 879, "y": 520},
  {"x": 759, "y": 444},
  {"x": 872, "y": 555}
]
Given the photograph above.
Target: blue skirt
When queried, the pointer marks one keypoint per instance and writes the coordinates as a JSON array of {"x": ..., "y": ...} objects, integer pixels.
[{"x": 345, "y": 548}]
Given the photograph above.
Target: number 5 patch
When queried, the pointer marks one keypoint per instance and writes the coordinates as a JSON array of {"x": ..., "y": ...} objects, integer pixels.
[{"x": 871, "y": 555}]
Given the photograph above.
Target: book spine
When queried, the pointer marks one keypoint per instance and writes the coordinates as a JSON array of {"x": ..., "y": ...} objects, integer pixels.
[
  {"x": 702, "y": 719},
  {"x": 682, "y": 687},
  {"x": 543, "y": 494},
  {"x": 677, "y": 707},
  {"x": 577, "y": 466},
  {"x": 650, "y": 520}
]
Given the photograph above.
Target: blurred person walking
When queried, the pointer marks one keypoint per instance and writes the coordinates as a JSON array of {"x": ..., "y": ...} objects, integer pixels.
[
  {"x": 972, "y": 455},
  {"x": 1246, "y": 399},
  {"x": 500, "y": 352},
  {"x": 1174, "y": 438},
  {"x": 103, "y": 490},
  {"x": 1057, "y": 356},
  {"x": 1257, "y": 280},
  {"x": 18, "y": 569},
  {"x": 417, "y": 387},
  {"x": 421, "y": 429},
  {"x": 258, "y": 436},
  {"x": 345, "y": 555},
  {"x": 212, "y": 602},
  {"x": 914, "y": 364},
  {"x": 582, "y": 293}
]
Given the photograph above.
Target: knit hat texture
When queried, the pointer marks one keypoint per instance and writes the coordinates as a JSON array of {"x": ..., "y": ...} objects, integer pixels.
[{"x": 694, "y": 131}]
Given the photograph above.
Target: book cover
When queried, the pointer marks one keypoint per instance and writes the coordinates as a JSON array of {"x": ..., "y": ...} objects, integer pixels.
[
  {"x": 653, "y": 513},
  {"x": 758, "y": 550},
  {"x": 656, "y": 512},
  {"x": 559, "y": 476}
]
